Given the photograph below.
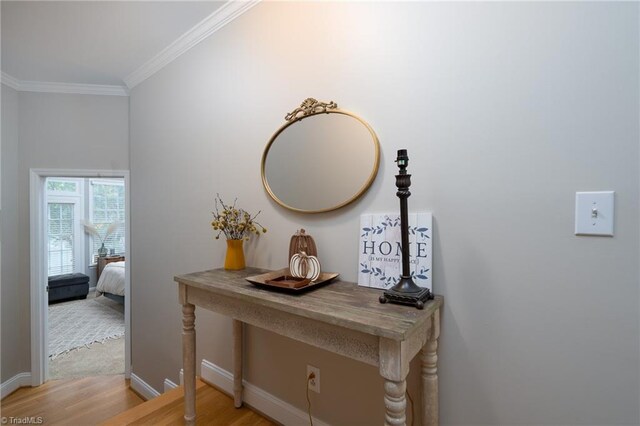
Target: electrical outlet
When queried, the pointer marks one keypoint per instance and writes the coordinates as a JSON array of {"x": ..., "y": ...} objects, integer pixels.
[{"x": 314, "y": 382}]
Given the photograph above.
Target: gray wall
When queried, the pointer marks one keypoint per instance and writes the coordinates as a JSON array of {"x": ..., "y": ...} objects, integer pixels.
[
  {"x": 56, "y": 131},
  {"x": 15, "y": 322},
  {"x": 507, "y": 109}
]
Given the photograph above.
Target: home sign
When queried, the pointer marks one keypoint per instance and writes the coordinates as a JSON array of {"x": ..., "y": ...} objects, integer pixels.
[{"x": 380, "y": 250}]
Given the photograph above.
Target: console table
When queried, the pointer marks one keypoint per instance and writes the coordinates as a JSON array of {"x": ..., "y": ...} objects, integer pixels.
[{"x": 340, "y": 317}]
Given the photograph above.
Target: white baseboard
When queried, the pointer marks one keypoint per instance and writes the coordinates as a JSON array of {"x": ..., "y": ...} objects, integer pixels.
[
  {"x": 168, "y": 385},
  {"x": 257, "y": 398},
  {"x": 143, "y": 388},
  {"x": 20, "y": 380}
]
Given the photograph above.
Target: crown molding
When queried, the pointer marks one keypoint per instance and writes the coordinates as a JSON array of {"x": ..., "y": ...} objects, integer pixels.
[
  {"x": 74, "y": 88},
  {"x": 10, "y": 81},
  {"x": 69, "y": 88},
  {"x": 218, "y": 19}
]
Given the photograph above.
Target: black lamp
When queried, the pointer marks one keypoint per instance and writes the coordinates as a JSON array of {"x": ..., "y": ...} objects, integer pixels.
[{"x": 405, "y": 292}]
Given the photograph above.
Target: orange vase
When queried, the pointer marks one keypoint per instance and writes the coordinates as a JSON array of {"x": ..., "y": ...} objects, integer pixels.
[{"x": 234, "y": 259}]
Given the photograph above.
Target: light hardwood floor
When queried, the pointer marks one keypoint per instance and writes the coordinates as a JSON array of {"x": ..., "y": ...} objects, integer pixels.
[
  {"x": 85, "y": 401},
  {"x": 212, "y": 406},
  {"x": 108, "y": 401}
]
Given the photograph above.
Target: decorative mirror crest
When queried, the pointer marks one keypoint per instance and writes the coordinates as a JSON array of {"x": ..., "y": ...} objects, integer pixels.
[{"x": 310, "y": 106}]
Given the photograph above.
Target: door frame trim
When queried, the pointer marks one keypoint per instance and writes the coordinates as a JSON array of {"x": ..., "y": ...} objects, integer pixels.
[{"x": 38, "y": 272}]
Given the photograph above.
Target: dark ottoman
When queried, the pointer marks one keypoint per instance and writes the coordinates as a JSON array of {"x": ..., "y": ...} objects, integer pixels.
[{"x": 68, "y": 286}]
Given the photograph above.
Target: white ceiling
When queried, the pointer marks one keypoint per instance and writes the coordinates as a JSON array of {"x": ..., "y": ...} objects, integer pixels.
[{"x": 91, "y": 42}]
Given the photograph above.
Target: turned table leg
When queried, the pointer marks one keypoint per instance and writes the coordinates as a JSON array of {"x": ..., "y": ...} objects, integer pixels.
[
  {"x": 429, "y": 358},
  {"x": 395, "y": 403},
  {"x": 189, "y": 362},
  {"x": 237, "y": 363},
  {"x": 394, "y": 367}
]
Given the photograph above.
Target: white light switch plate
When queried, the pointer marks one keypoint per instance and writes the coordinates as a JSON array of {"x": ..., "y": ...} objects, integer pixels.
[{"x": 594, "y": 213}]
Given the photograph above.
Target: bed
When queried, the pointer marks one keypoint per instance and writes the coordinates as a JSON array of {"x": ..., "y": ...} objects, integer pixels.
[{"x": 111, "y": 282}]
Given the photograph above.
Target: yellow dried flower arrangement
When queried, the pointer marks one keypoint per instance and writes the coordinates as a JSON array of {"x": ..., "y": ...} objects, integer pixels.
[{"x": 234, "y": 222}]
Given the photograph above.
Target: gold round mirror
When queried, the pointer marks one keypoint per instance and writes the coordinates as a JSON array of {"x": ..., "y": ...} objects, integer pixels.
[{"x": 322, "y": 159}]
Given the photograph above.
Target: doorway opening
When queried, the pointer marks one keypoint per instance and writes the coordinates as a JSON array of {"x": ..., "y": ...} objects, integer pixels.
[{"x": 80, "y": 312}]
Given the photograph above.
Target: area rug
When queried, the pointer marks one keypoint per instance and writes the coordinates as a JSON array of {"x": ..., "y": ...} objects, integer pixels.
[
  {"x": 77, "y": 324},
  {"x": 97, "y": 359}
]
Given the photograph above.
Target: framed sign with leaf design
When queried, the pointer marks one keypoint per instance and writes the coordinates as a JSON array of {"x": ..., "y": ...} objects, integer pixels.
[{"x": 380, "y": 250}]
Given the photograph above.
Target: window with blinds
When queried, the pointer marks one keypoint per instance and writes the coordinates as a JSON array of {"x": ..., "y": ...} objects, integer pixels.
[
  {"x": 107, "y": 207},
  {"x": 65, "y": 237},
  {"x": 60, "y": 226}
]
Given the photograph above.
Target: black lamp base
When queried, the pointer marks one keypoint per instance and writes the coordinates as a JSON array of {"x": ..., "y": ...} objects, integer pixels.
[
  {"x": 405, "y": 292},
  {"x": 416, "y": 299}
]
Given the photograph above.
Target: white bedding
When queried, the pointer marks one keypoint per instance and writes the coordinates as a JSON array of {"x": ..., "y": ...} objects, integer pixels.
[{"x": 111, "y": 279}]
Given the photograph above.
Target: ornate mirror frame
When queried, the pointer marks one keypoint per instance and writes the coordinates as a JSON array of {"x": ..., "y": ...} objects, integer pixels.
[{"x": 311, "y": 107}]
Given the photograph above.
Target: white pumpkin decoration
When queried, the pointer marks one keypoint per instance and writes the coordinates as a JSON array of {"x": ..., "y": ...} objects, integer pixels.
[{"x": 304, "y": 266}]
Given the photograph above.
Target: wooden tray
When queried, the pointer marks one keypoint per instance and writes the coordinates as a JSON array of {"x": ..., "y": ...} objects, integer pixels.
[{"x": 261, "y": 281}]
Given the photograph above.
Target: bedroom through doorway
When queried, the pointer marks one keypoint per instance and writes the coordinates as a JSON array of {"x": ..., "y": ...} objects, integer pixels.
[{"x": 85, "y": 263}]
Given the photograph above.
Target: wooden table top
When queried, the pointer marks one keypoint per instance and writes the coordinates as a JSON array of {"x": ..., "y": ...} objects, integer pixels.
[{"x": 339, "y": 303}]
